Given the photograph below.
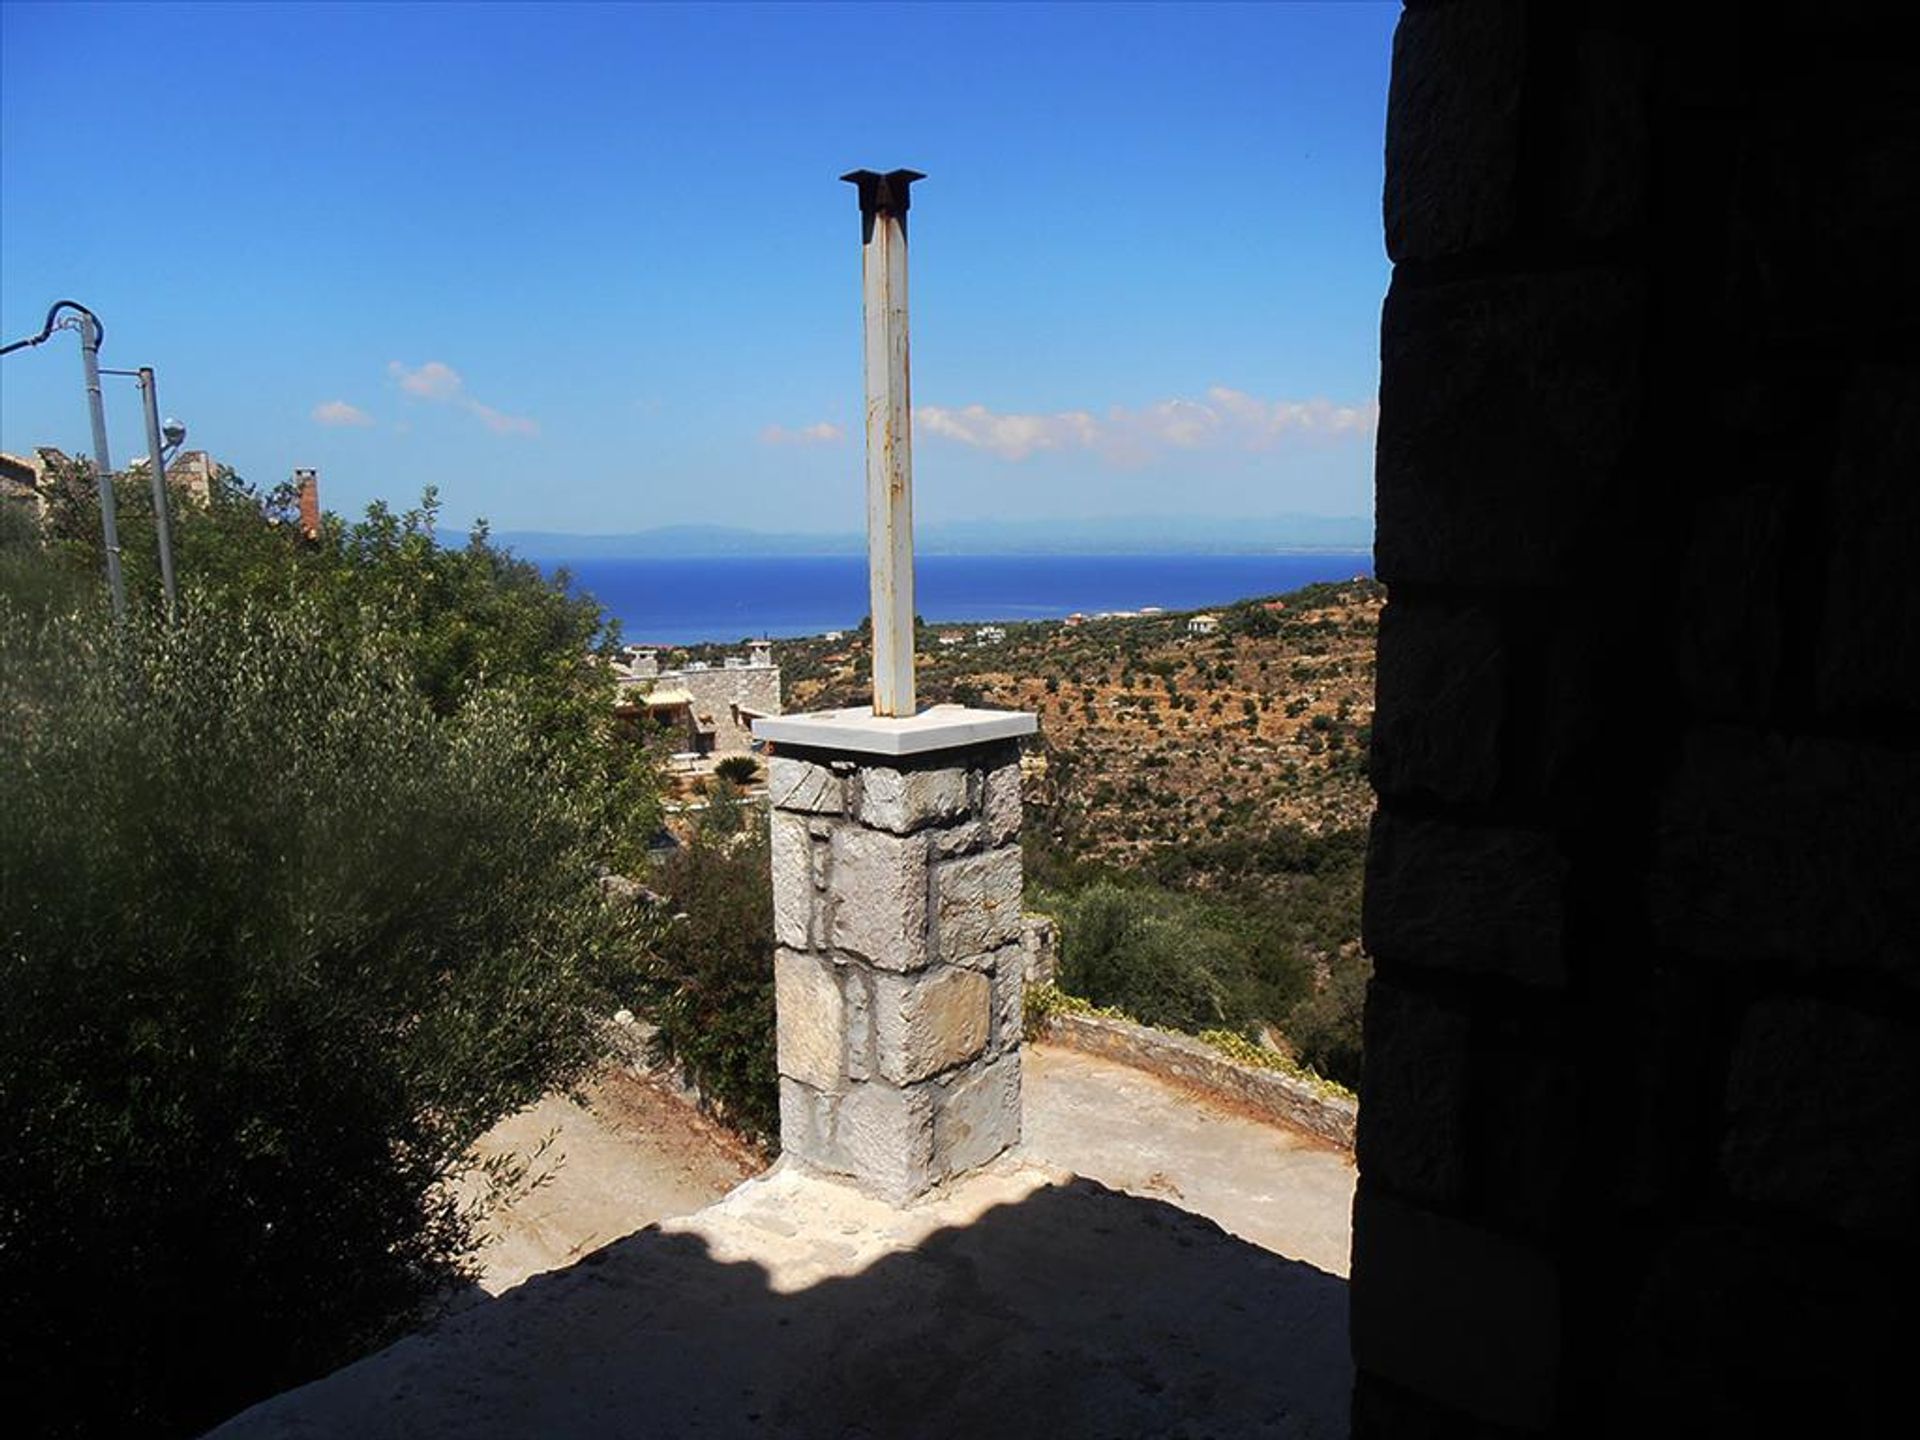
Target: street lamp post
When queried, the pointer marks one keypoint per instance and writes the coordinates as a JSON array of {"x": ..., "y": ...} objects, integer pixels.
[
  {"x": 157, "y": 462},
  {"x": 91, "y": 334}
]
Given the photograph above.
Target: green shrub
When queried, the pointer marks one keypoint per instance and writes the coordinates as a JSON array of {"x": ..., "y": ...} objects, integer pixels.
[
  {"x": 1325, "y": 1027},
  {"x": 1143, "y": 952},
  {"x": 709, "y": 983},
  {"x": 280, "y": 936}
]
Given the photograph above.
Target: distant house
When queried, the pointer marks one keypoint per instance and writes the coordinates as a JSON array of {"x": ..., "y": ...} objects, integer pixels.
[
  {"x": 989, "y": 635},
  {"x": 948, "y": 638},
  {"x": 711, "y": 709},
  {"x": 1203, "y": 624},
  {"x": 21, "y": 480},
  {"x": 1074, "y": 619}
]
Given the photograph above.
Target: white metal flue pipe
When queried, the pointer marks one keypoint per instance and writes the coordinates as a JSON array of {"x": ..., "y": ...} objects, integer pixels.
[{"x": 883, "y": 264}]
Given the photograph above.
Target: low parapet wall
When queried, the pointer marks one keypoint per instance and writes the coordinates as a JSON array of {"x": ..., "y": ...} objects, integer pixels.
[{"x": 1272, "y": 1094}]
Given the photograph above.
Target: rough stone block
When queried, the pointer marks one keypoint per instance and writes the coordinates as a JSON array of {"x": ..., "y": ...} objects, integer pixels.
[
  {"x": 929, "y": 1021},
  {"x": 1743, "y": 1330},
  {"x": 791, "y": 858},
  {"x": 977, "y": 1115},
  {"x": 1441, "y": 687},
  {"x": 1000, "y": 802},
  {"x": 962, "y": 839},
  {"x": 1462, "y": 897},
  {"x": 1413, "y": 1128},
  {"x": 903, "y": 801},
  {"x": 1869, "y": 646},
  {"x": 1009, "y": 974},
  {"x": 885, "y": 1135},
  {"x": 811, "y": 1020},
  {"x": 1454, "y": 1312},
  {"x": 1822, "y": 1103},
  {"x": 807, "y": 1127},
  {"x": 856, "y": 988},
  {"x": 1601, "y": 180},
  {"x": 1507, "y": 409},
  {"x": 879, "y": 886},
  {"x": 1453, "y": 127},
  {"x": 976, "y": 903},
  {"x": 1824, "y": 191},
  {"x": 805, "y": 787},
  {"x": 1796, "y": 851},
  {"x": 1040, "y": 940},
  {"x": 1729, "y": 637}
]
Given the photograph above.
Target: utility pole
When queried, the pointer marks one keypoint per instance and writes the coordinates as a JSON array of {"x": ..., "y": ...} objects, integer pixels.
[
  {"x": 156, "y": 458},
  {"x": 883, "y": 265},
  {"x": 90, "y": 364}
]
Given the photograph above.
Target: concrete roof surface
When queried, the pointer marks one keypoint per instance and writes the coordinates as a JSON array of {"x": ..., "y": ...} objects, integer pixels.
[{"x": 1019, "y": 1302}]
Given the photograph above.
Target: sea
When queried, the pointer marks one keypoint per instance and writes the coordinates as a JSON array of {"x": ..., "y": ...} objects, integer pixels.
[{"x": 726, "y": 599}]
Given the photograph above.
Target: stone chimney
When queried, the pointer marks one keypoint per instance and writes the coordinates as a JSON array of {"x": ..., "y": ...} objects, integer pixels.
[
  {"x": 308, "y": 483},
  {"x": 899, "y": 960}
]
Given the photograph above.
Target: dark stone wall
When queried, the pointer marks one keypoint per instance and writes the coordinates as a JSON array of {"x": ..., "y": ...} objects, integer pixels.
[{"x": 1640, "y": 1130}]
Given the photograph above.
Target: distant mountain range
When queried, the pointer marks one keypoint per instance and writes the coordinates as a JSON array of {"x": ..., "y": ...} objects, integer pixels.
[{"x": 1123, "y": 535}]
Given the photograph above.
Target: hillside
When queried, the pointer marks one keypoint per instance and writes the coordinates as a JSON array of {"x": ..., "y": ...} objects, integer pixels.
[{"x": 1153, "y": 738}]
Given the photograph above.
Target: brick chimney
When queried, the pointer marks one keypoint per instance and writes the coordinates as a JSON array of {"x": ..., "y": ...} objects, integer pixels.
[{"x": 308, "y": 483}]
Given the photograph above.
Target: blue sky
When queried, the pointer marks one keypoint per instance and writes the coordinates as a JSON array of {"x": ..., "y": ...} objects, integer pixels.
[{"x": 589, "y": 268}]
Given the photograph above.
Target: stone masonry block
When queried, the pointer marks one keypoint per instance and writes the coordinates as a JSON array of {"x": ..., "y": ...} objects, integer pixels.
[
  {"x": 794, "y": 893},
  {"x": 929, "y": 1021},
  {"x": 1606, "y": 104},
  {"x": 886, "y": 1136},
  {"x": 976, "y": 1115},
  {"x": 1869, "y": 647},
  {"x": 905, "y": 800},
  {"x": 811, "y": 1021},
  {"x": 1801, "y": 851},
  {"x": 1454, "y": 1312},
  {"x": 976, "y": 903},
  {"x": 807, "y": 1119},
  {"x": 1000, "y": 801},
  {"x": 879, "y": 884},
  {"x": 1731, "y": 617},
  {"x": 803, "y": 786},
  {"x": 1441, "y": 689},
  {"x": 1009, "y": 974},
  {"x": 1458, "y": 897},
  {"x": 963, "y": 839},
  {"x": 1821, "y": 1103},
  {"x": 1453, "y": 127},
  {"x": 1507, "y": 409},
  {"x": 1040, "y": 941},
  {"x": 1740, "y": 1330},
  {"x": 1413, "y": 1128}
]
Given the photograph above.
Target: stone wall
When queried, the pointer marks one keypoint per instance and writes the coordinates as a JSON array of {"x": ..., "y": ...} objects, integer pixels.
[
  {"x": 900, "y": 961},
  {"x": 723, "y": 692},
  {"x": 1638, "y": 1139},
  {"x": 1272, "y": 1094}
]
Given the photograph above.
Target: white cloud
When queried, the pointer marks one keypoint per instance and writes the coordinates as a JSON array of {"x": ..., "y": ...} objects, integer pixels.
[
  {"x": 339, "y": 412},
  {"x": 1225, "y": 419},
  {"x": 502, "y": 424},
  {"x": 821, "y": 432},
  {"x": 439, "y": 382}
]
